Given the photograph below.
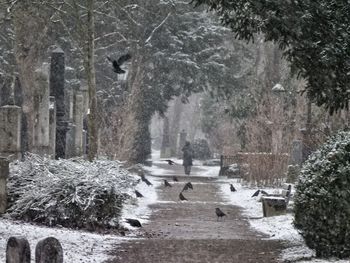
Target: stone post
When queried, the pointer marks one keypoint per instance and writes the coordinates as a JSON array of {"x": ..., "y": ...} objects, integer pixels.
[
  {"x": 165, "y": 148},
  {"x": 4, "y": 173},
  {"x": 181, "y": 143},
  {"x": 41, "y": 140},
  {"x": 10, "y": 132},
  {"x": 52, "y": 124},
  {"x": 57, "y": 90},
  {"x": 17, "y": 250}
]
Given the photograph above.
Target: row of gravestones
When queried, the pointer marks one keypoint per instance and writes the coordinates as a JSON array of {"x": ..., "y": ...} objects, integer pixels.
[{"x": 48, "y": 250}]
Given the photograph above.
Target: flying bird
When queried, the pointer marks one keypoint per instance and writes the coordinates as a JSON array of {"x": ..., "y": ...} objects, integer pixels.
[
  {"x": 182, "y": 198},
  {"x": 256, "y": 193},
  {"x": 175, "y": 179},
  {"x": 232, "y": 188},
  {"x": 219, "y": 213},
  {"x": 133, "y": 222},
  {"x": 117, "y": 63},
  {"x": 170, "y": 162},
  {"x": 166, "y": 183},
  {"x": 138, "y": 194}
]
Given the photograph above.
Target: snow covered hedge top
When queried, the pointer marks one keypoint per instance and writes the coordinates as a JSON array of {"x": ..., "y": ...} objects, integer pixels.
[{"x": 72, "y": 193}]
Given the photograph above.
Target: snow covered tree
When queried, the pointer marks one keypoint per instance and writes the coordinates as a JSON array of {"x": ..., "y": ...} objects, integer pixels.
[{"x": 312, "y": 34}]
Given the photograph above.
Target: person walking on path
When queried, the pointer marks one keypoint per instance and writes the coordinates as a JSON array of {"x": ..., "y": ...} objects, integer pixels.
[{"x": 187, "y": 157}]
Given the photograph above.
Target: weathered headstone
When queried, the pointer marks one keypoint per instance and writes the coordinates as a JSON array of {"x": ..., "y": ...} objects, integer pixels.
[
  {"x": 41, "y": 140},
  {"x": 17, "y": 250},
  {"x": 52, "y": 124},
  {"x": 57, "y": 77},
  {"x": 10, "y": 132},
  {"x": 181, "y": 142},
  {"x": 165, "y": 148},
  {"x": 49, "y": 250},
  {"x": 4, "y": 173}
]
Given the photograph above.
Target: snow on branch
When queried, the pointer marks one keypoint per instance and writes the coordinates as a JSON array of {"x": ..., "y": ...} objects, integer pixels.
[{"x": 156, "y": 28}]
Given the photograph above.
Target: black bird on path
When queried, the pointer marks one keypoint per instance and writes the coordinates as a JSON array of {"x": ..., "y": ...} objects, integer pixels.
[
  {"x": 166, "y": 183},
  {"x": 232, "y": 188},
  {"x": 189, "y": 185},
  {"x": 144, "y": 179},
  {"x": 170, "y": 162},
  {"x": 117, "y": 63},
  {"x": 185, "y": 188},
  {"x": 138, "y": 194},
  {"x": 219, "y": 213},
  {"x": 133, "y": 222},
  {"x": 182, "y": 198},
  {"x": 256, "y": 193},
  {"x": 175, "y": 179}
]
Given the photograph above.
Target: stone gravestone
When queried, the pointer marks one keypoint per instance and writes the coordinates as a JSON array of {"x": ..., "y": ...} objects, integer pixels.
[
  {"x": 4, "y": 173},
  {"x": 274, "y": 206},
  {"x": 41, "y": 140},
  {"x": 49, "y": 250},
  {"x": 165, "y": 148},
  {"x": 57, "y": 77},
  {"x": 17, "y": 250},
  {"x": 10, "y": 132},
  {"x": 296, "y": 157}
]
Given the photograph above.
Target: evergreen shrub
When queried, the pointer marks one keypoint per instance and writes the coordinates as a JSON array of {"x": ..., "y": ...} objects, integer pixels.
[{"x": 322, "y": 198}]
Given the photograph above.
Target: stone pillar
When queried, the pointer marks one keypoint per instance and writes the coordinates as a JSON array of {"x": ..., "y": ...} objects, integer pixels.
[
  {"x": 17, "y": 250},
  {"x": 49, "y": 250},
  {"x": 181, "y": 142},
  {"x": 78, "y": 118},
  {"x": 41, "y": 140},
  {"x": 165, "y": 148},
  {"x": 57, "y": 90},
  {"x": 10, "y": 132},
  {"x": 52, "y": 125},
  {"x": 4, "y": 173}
]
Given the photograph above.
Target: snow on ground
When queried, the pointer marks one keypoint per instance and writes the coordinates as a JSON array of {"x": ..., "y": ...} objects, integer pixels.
[
  {"x": 78, "y": 246},
  {"x": 277, "y": 227}
]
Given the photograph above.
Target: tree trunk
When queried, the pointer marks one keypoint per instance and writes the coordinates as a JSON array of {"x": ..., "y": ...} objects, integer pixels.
[{"x": 91, "y": 79}]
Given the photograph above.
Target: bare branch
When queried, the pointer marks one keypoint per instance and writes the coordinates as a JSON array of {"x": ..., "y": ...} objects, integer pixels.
[{"x": 156, "y": 28}]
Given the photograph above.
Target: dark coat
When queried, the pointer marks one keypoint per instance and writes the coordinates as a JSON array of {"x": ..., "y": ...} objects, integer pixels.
[{"x": 187, "y": 155}]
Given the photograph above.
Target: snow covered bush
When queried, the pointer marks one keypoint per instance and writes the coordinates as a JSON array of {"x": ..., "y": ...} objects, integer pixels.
[
  {"x": 71, "y": 193},
  {"x": 322, "y": 198},
  {"x": 201, "y": 149}
]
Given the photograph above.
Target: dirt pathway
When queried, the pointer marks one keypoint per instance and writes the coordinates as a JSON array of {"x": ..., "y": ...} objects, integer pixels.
[{"x": 189, "y": 231}]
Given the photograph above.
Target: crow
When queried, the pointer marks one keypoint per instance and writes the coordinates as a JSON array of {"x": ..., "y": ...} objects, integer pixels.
[
  {"x": 170, "y": 162},
  {"x": 144, "y": 179},
  {"x": 138, "y": 194},
  {"x": 185, "y": 188},
  {"x": 233, "y": 189},
  {"x": 182, "y": 198},
  {"x": 256, "y": 193},
  {"x": 175, "y": 179},
  {"x": 219, "y": 213},
  {"x": 133, "y": 222},
  {"x": 166, "y": 183},
  {"x": 117, "y": 63},
  {"x": 264, "y": 193},
  {"x": 189, "y": 185}
]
